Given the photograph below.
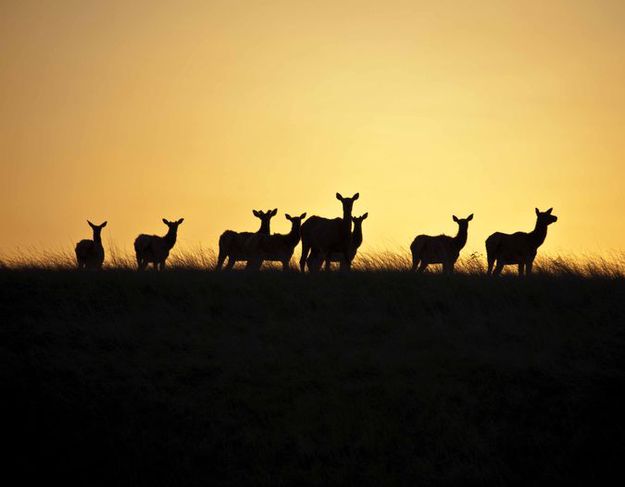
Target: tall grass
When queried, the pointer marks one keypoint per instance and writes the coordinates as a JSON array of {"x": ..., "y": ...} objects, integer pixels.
[{"x": 203, "y": 258}]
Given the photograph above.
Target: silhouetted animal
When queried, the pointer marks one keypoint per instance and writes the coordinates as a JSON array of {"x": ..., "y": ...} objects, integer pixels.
[
  {"x": 337, "y": 256},
  {"x": 90, "y": 253},
  {"x": 275, "y": 248},
  {"x": 440, "y": 249},
  {"x": 234, "y": 244},
  {"x": 154, "y": 249},
  {"x": 518, "y": 248},
  {"x": 324, "y": 236}
]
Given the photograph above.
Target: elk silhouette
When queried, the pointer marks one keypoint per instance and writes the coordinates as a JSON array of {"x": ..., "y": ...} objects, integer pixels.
[
  {"x": 90, "y": 253},
  {"x": 337, "y": 256},
  {"x": 324, "y": 235},
  {"x": 275, "y": 248},
  {"x": 154, "y": 249},
  {"x": 233, "y": 245},
  {"x": 441, "y": 249},
  {"x": 519, "y": 248}
]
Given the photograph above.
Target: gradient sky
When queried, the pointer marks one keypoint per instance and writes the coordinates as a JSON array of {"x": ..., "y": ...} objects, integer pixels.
[{"x": 134, "y": 111}]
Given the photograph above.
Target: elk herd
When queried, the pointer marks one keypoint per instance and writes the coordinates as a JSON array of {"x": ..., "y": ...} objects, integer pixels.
[{"x": 327, "y": 240}]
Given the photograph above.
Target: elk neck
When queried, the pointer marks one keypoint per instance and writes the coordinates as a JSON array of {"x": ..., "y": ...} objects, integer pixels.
[
  {"x": 539, "y": 234},
  {"x": 347, "y": 223},
  {"x": 170, "y": 237},
  {"x": 357, "y": 235},
  {"x": 461, "y": 237},
  {"x": 294, "y": 235},
  {"x": 264, "y": 227}
]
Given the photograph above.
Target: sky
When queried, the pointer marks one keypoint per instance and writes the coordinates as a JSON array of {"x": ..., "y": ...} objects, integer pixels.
[{"x": 135, "y": 111}]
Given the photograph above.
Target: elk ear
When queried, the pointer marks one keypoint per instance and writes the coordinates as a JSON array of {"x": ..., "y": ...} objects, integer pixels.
[
  {"x": 274, "y": 212},
  {"x": 288, "y": 217},
  {"x": 165, "y": 221},
  {"x": 257, "y": 213},
  {"x": 302, "y": 216},
  {"x": 537, "y": 211},
  {"x": 90, "y": 224},
  {"x": 180, "y": 221},
  {"x": 364, "y": 217},
  {"x": 356, "y": 196},
  {"x": 455, "y": 218},
  {"x": 549, "y": 211},
  {"x": 339, "y": 197},
  {"x": 103, "y": 225},
  {"x": 470, "y": 217}
]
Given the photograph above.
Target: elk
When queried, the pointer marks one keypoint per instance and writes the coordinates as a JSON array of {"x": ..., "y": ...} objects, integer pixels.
[
  {"x": 313, "y": 259},
  {"x": 90, "y": 253},
  {"x": 324, "y": 235},
  {"x": 519, "y": 248},
  {"x": 277, "y": 247},
  {"x": 233, "y": 245},
  {"x": 440, "y": 249},
  {"x": 154, "y": 249}
]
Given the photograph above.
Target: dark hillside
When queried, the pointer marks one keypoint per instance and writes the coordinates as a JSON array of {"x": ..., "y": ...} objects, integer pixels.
[{"x": 193, "y": 378}]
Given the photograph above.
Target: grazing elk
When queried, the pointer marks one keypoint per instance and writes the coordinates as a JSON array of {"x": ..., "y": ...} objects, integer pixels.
[
  {"x": 277, "y": 247},
  {"x": 233, "y": 245},
  {"x": 154, "y": 249},
  {"x": 90, "y": 253},
  {"x": 324, "y": 235},
  {"x": 440, "y": 249},
  {"x": 518, "y": 248},
  {"x": 337, "y": 256}
]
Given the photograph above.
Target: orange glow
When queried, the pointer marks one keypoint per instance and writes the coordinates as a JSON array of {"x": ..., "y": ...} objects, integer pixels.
[{"x": 134, "y": 111}]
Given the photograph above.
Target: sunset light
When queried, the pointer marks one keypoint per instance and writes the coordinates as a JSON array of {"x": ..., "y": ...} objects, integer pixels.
[{"x": 134, "y": 112}]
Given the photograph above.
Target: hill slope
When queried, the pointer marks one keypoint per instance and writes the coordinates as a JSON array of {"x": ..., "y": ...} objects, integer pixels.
[{"x": 190, "y": 377}]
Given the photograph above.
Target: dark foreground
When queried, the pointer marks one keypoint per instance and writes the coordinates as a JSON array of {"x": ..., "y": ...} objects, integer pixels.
[{"x": 191, "y": 378}]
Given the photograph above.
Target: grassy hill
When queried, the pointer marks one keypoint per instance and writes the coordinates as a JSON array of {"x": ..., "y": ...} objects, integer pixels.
[{"x": 189, "y": 377}]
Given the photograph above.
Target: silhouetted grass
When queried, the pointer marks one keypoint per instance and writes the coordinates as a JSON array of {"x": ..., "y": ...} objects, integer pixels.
[
  {"x": 201, "y": 258},
  {"x": 195, "y": 378}
]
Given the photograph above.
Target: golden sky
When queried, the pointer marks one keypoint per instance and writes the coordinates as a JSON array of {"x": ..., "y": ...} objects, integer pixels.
[{"x": 134, "y": 111}]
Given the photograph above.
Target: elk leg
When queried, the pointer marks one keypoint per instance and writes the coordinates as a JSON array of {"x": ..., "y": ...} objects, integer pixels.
[
  {"x": 422, "y": 267},
  {"x": 521, "y": 267},
  {"x": 528, "y": 267},
  {"x": 415, "y": 262},
  {"x": 498, "y": 268},
  {"x": 346, "y": 261},
  {"x": 220, "y": 261},
  {"x": 316, "y": 261},
  {"x": 302, "y": 259},
  {"x": 230, "y": 264},
  {"x": 491, "y": 263}
]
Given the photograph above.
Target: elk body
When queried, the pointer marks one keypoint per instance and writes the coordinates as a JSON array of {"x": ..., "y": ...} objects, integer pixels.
[
  {"x": 440, "y": 249},
  {"x": 324, "y": 236},
  {"x": 152, "y": 249},
  {"x": 519, "y": 248},
  {"x": 234, "y": 245},
  {"x": 90, "y": 253},
  {"x": 277, "y": 247},
  {"x": 337, "y": 256}
]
